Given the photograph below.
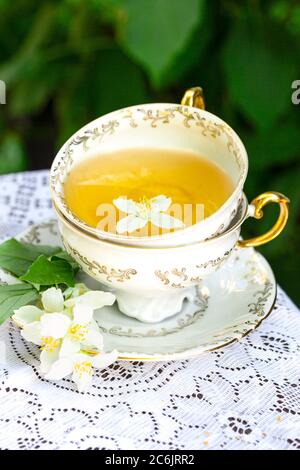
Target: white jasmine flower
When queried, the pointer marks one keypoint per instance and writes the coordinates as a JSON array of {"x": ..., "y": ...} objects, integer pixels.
[
  {"x": 48, "y": 333},
  {"x": 63, "y": 327},
  {"x": 80, "y": 365},
  {"x": 52, "y": 301},
  {"x": 144, "y": 211},
  {"x": 45, "y": 327},
  {"x": 82, "y": 331}
]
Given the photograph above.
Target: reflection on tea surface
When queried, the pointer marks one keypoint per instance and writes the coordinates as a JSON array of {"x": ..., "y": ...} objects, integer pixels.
[{"x": 144, "y": 191}]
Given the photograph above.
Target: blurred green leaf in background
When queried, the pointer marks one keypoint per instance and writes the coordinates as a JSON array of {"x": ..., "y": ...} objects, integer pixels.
[{"x": 68, "y": 62}]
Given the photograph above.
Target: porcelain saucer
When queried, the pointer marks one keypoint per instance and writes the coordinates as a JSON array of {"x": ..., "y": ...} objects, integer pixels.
[{"x": 230, "y": 304}]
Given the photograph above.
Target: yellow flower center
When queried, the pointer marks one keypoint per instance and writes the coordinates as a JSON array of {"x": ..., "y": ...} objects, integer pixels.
[
  {"x": 84, "y": 367},
  {"x": 78, "y": 332},
  {"x": 49, "y": 344},
  {"x": 144, "y": 206},
  {"x": 145, "y": 201}
]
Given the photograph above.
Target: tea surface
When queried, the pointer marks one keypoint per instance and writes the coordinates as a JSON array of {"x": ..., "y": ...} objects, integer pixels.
[{"x": 194, "y": 188}]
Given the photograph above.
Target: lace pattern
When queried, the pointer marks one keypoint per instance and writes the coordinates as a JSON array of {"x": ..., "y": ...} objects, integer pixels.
[{"x": 245, "y": 396}]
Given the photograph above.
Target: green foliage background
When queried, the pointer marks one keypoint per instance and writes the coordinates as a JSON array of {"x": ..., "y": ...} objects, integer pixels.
[{"x": 67, "y": 62}]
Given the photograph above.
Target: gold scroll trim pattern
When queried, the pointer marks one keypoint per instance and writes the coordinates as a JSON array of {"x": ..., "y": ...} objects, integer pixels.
[
  {"x": 257, "y": 307},
  {"x": 112, "y": 274},
  {"x": 154, "y": 117},
  {"x": 180, "y": 274},
  {"x": 189, "y": 319},
  {"x": 34, "y": 234}
]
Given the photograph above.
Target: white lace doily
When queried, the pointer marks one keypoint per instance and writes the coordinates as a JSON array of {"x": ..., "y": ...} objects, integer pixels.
[{"x": 245, "y": 396}]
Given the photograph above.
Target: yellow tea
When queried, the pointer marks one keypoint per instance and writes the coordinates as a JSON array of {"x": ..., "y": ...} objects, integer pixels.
[{"x": 142, "y": 191}]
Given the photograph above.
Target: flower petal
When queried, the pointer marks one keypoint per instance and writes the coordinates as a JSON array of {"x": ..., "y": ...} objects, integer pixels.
[
  {"x": 160, "y": 203},
  {"x": 130, "y": 224},
  {"x": 53, "y": 300},
  {"x": 27, "y": 314},
  {"x": 126, "y": 205},
  {"x": 60, "y": 369},
  {"x": 93, "y": 338},
  {"x": 75, "y": 291},
  {"x": 103, "y": 360},
  {"x": 47, "y": 359},
  {"x": 93, "y": 298},
  {"x": 166, "y": 221},
  {"x": 32, "y": 332},
  {"x": 98, "y": 298},
  {"x": 69, "y": 347},
  {"x": 81, "y": 357},
  {"x": 82, "y": 379},
  {"x": 83, "y": 313},
  {"x": 55, "y": 325}
]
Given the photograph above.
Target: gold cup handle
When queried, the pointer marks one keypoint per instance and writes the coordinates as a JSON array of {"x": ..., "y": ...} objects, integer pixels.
[
  {"x": 194, "y": 97},
  {"x": 256, "y": 207}
]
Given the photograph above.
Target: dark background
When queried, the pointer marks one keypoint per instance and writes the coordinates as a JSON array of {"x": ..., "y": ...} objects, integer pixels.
[{"x": 67, "y": 62}]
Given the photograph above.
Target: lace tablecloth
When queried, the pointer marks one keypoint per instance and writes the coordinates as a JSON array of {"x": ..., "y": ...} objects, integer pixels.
[{"x": 245, "y": 396}]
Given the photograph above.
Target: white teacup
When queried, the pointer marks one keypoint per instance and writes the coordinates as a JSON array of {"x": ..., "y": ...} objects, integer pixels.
[
  {"x": 151, "y": 283},
  {"x": 159, "y": 126},
  {"x": 153, "y": 275}
]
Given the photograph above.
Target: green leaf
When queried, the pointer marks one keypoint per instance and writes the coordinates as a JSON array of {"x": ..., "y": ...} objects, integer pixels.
[
  {"x": 155, "y": 31},
  {"x": 16, "y": 257},
  {"x": 20, "y": 287},
  {"x": 72, "y": 103},
  {"x": 287, "y": 182},
  {"x": 193, "y": 52},
  {"x": 288, "y": 13},
  {"x": 111, "y": 81},
  {"x": 47, "y": 250},
  {"x": 259, "y": 77},
  {"x": 276, "y": 146},
  {"x": 12, "y": 154},
  {"x": 283, "y": 252},
  {"x": 32, "y": 93},
  {"x": 65, "y": 256},
  {"x": 44, "y": 272},
  {"x": 15, "y": 296},
  {"x": 26, "y": 56},
  {"x": 110, "y": 93}
]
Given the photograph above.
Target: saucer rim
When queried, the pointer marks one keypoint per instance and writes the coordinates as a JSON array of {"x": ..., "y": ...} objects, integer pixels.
[
  {"x": 194, "y": 352},
  {"x": 186, "y": 356},
  {"x": 189, "y": 353}
]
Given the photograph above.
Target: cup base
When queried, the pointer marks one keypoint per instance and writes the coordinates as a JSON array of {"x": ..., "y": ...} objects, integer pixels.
[{"x": 155, "y": 308}]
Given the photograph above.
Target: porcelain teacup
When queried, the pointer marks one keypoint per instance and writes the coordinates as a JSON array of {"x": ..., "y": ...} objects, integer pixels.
[
  {"x": 153, "y": 275},
  {"x": 162, "y": 126},
  {"x": 151, "y": 283}
]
